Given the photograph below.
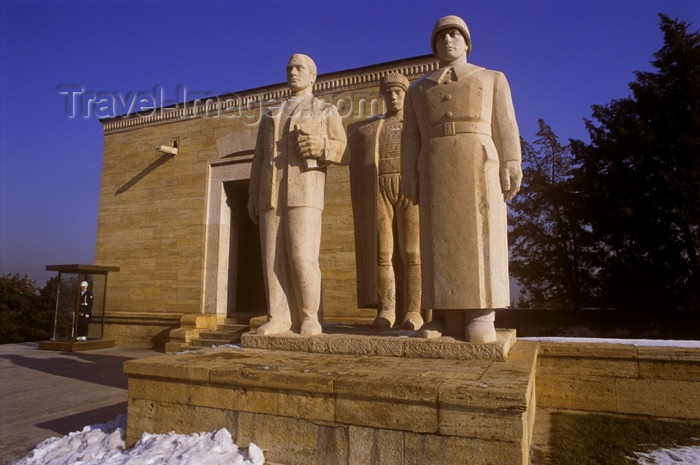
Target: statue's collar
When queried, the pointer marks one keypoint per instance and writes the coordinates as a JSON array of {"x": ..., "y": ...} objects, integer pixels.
[
  {"x": 292, "y": 103},
  {"x": 461, "y": 70}
]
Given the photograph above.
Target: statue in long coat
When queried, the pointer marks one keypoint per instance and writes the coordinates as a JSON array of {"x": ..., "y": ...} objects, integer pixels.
[{"x": 460, "y": 155}]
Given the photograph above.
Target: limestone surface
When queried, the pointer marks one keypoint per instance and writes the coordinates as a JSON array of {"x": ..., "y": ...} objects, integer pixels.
[{"x": 354, "y": 340}]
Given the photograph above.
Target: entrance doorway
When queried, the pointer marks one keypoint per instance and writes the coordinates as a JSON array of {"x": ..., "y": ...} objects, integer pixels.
[{"x": 246, "y": 289}]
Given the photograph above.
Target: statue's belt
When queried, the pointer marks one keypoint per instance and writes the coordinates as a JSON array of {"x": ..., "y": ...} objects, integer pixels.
[{"x": 460, "y": 127}]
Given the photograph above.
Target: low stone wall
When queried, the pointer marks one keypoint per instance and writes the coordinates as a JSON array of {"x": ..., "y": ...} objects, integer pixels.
[
  {"x": 141, "y": 329},
  {"x": 325, "y": 409},
  {"x": 626, "y": 379},
  {"x": 318, "y": 408}
]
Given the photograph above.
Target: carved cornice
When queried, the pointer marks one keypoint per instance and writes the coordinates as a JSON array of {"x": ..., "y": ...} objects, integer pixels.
[{"x": 326, "y": 84}]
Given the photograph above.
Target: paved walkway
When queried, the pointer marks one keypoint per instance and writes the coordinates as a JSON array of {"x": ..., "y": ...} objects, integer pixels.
[{"x": 45, "y": 393}]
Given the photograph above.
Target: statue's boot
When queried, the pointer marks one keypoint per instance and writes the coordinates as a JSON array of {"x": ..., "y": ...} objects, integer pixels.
[
  {"x": 275, "y": 324},
  {"x": 308, "y": 314},
  {"x": 413, "y": 319},
  {"x": 386, "y": 296},
  {"x": 480, "y": 327},
  {"x": 310, "y": 327},
  {"x": 308, "y": 296},
  {"x": 432, "y": 329}
]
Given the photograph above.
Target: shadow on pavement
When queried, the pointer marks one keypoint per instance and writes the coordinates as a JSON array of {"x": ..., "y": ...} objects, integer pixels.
[
  {"x": 92, "y": 368},
  {"x": 77, "y": 422}
]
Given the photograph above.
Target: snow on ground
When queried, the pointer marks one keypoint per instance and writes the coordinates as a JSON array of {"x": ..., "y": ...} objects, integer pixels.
[
  {"x": 104, "y": 445},
  {"x": 675, "y": 456},
  {"x": 634, "y": 342}
]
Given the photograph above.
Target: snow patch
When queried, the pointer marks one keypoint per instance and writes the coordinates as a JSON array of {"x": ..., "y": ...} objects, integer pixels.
[
  {"x": 675, "y": 456},
  {"x": 104, "y": 444}
]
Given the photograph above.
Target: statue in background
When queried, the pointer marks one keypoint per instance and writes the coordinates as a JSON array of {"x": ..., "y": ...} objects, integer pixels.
[
  {"x": 382, "y": 214},
  {"x": 296, "y": 141},
  {"x": 460, "y": 160}
]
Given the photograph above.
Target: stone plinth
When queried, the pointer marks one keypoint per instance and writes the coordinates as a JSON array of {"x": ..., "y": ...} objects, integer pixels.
[
  {"x": 365, "y": 340},
  {"x": 318, "y": 408}
]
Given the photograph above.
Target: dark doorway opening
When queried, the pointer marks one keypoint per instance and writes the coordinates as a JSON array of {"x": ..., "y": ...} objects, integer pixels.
[{"x": 246, "y": 289}]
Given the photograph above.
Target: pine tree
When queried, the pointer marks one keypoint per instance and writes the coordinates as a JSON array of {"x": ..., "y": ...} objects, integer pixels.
[
  {"x": 640, "y": 180},
  {"x": 548, "y": 241}
]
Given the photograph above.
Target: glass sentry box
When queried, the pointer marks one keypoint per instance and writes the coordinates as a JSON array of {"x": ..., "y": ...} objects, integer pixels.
[{"x": 80, "y": 308}]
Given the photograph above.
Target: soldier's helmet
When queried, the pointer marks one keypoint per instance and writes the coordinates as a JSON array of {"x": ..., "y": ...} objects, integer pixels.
[
  {"x": 393, "y": 79},
  {"x": 447, "y": 22}
]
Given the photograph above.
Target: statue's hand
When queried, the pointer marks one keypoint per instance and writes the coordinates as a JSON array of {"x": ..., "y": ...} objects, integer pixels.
[
  {"x": 310, "y": 145},
  {"x": 409, "y": 185},
  {"x": 252, "y": 207},
  {"x": 511, "y": 177}
]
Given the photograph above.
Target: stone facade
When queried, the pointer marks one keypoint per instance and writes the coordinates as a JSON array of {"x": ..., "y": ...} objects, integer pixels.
[{"x": 176, "y": 224}]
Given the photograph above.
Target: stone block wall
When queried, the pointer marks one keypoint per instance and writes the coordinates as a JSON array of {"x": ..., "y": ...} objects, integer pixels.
[
  {"x": 327, "y": 409},
  {"x": 660, "y": 382},
  {"x": 151, "y": 222},
  {"x": 310, "y": 408}
]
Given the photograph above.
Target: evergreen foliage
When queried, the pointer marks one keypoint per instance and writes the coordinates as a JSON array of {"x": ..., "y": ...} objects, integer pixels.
[
  {"x": 615, "y": 223},
  {"x": 26, "y": 312},
  {"x": 550, "y": 250},
  {"x": 640, "y": 180}
]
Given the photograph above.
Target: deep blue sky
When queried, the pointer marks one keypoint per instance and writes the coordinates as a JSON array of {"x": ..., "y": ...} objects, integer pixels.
[{"x": 560, "y": 56}]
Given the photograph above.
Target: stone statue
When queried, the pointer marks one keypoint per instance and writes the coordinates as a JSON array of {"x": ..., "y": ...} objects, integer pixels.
[
  {"x": 382, "y": 213},
  {"x": 460, "y": 159},
  {"x": 296, "y": 141}
]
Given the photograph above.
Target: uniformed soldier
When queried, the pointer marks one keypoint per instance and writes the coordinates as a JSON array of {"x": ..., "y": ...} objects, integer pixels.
[
  {"x": 84, "y": 310},
  {"x": 460, "y": 155},
  {"x": 382, "y": 213}
]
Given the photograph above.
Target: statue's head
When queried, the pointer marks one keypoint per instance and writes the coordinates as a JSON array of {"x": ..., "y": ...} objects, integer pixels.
[
  {"x": 448, "y": 26},
  {"x": 301, "y": 72},
  {"x": 393, "y": 88}
]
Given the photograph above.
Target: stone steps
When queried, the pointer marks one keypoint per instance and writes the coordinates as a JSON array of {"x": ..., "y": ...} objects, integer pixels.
[
  {"x": 228, "y": 332},
  {"x": 201, "y": 343},
  {"x": 240, "y": 318}
]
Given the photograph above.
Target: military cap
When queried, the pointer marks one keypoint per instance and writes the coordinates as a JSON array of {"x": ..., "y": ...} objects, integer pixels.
[{"x": 393, "y": 79}]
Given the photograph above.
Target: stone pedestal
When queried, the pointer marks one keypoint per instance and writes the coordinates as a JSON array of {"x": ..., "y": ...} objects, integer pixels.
[
  {"x": 366, "y": 340},
  {"x": 314, "y": 407}
]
